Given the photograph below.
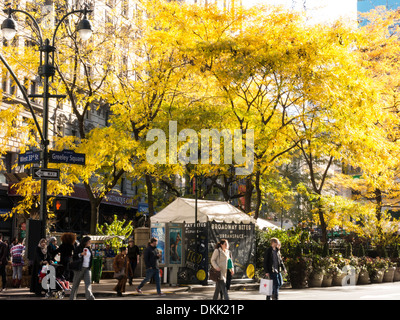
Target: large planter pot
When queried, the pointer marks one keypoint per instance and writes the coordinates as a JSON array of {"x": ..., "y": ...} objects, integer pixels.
[
  {"x": 388, "y": 275},
  {"x": 327, "y": 280},
  {"x": 315, "y": 280},
  {"x": 396, "y": 276},
  {"x": 337, "y": 279},
  {"x": 363, "y": 277},
  {"x": 378, "y": 275},
  {"x": 298, "y": 279}
]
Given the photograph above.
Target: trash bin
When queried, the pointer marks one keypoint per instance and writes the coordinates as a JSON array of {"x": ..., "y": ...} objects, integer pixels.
[{"x": 97, "y": 268}]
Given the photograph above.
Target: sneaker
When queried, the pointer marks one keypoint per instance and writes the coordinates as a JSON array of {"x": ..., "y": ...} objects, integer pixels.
[
  {"x": 138, "y": 290},
  {"x": 161, "y": 294}
]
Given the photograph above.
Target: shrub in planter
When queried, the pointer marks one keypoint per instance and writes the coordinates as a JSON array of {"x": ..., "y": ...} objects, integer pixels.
[
  {"x": 354, "y": 262},
  {"x": 317, "y": 272},
  {"x": 377, "y": 269},
  {"x": 388, "y": 275},
  {"x": 364, "y": 267},
  {"x": 396, "y": 263},
  {"x": 299, "y": 268},
  {"x": 338, "y": 274},
  {"x": 329, "y": 267}
]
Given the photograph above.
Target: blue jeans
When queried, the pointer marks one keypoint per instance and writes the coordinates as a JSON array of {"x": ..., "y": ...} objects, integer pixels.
[
  {"x": 276, "y": 283},
  {"x": 150, "y": 273}
]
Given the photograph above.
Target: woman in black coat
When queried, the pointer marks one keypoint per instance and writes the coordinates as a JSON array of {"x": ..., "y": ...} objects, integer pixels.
[
  {"x": 65, "y": 250},
  {"x": 41, "y": 258},
  {"x": 274, "y": 266}
]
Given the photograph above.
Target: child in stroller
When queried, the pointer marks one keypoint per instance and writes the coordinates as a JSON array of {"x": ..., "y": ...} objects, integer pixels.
[{"x": 60, "y": 285}]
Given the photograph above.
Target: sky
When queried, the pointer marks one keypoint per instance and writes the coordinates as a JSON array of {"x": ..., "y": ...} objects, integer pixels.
[{"x": 317, "y": 11}]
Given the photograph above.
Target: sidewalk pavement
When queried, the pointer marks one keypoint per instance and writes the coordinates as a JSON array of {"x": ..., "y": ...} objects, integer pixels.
[{"x": 106, "y": 286}]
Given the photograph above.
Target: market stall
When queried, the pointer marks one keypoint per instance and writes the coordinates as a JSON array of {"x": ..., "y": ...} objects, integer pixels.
[
  {"x": 215, "y": 220},
  {"x": 102, "y": 264}
]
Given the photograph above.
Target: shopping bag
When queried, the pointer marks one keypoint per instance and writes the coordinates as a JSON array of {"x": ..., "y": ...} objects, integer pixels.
[{"x": 266, "y": 287}]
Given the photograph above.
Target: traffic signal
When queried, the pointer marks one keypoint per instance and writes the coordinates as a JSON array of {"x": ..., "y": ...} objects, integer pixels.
[{"x": 60, "y": 205}]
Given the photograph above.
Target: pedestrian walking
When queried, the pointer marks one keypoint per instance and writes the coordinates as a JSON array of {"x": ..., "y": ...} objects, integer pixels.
[
  {"x": 229, "y": 274},
  {"x": 133, "y": 256},
  {"x": 65, "y": 250},
  {"x": 3, "y": 262},
  {"x": 151, "y": 259},
  {"x": 122, "y": 270},
  {"x": 274, "y": 266},
  {"x": 17, "y": 253},
  {"x": 81, "y": 264},
  {"x": 41, "y": 258},
  {"x": 219, "y": 261},
  {"x": 52, "y": 248}
]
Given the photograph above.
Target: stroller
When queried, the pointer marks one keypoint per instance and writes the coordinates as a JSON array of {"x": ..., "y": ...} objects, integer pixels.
[{"x": 56, "y": 285}]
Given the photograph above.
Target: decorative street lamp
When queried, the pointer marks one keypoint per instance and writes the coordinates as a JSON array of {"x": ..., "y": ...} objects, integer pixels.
[{"x": 46, "y": 70}]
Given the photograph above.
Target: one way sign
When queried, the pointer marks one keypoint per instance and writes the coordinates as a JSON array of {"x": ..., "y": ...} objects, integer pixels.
[{"x": 45, "y": 174}]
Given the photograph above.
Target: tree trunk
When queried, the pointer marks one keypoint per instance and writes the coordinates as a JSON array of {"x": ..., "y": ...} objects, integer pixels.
[
  {"x": 322, "y": 222},
  {"x": 248, "y": 194},
  {"x": 94, "y": 216},
  {"x": 150, "y": 198},
  {"x": 378, "y": 214},
  {"x": 258, "y": 195}
]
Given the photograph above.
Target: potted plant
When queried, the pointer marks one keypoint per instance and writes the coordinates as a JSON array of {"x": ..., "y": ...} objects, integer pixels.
[
  {"x": 299, "y": 269},
  {"x": 364, "y": 267},
  {"x": 317, "y": 273},
  {"x": 388, "y": 275},
  {"x": 329, "y": 267},
  {"x": 354, "y": 263},
  {"x": 396, "y": 262},
  {"x": 377, "y": 269},
  {"x": 338, "y": 274}
]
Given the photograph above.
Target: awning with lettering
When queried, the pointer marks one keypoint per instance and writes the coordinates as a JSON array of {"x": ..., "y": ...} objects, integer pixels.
[{"x": 112, "y": 198}]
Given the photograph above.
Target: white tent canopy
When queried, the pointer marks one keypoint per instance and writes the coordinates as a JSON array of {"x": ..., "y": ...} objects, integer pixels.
[
  {"x": 265, "y": 224},
  {"x": 183, "y": 210}
]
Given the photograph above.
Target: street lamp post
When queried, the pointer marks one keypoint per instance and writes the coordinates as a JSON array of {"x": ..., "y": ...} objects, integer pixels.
[{"x": 46, "y": 71}]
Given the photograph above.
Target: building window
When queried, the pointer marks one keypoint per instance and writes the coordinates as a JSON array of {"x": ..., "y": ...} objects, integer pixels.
[
  {"x": 123, "y": 186},
  {"x": 33, "y": 89}
]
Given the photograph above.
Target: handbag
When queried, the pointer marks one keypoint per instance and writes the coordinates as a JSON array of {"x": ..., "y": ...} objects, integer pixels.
[
  {"x": 214, "y": 274},
  {"x": 266, "y": 287},
  {"x": 119, "y": 275},
  {"x": 76, "y": 264}
]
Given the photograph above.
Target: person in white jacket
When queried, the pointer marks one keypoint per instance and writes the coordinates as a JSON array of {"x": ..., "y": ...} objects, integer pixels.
[{"x": 220, "y": 260}]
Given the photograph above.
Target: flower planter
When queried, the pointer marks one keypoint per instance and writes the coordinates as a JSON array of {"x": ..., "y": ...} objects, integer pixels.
[
  {"x": 327, "y": 280},
  {"x": 315, "y": 280},
  {"x": 363, "y": 277},
  {"x": 388, "y": 275},
  {"x": 377, "y": 277},
  {"x": 298, "y": 279},
  {"x": 337, "y": 279},
  {"x": 396, "y": 276}
]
